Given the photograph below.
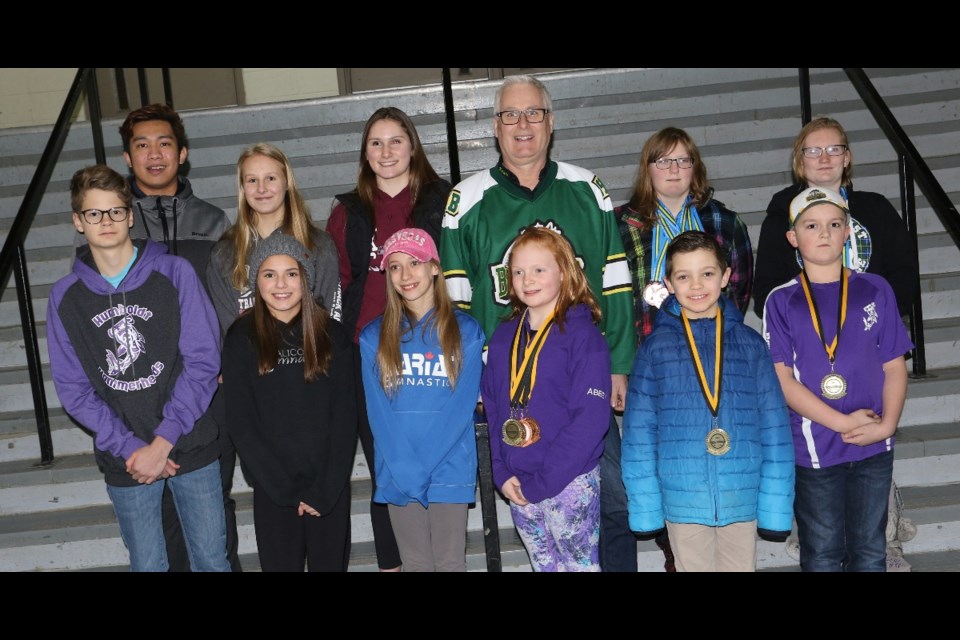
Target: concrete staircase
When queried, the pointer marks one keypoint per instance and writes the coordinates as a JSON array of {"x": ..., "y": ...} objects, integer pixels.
[{"x": 58, "y": 518}]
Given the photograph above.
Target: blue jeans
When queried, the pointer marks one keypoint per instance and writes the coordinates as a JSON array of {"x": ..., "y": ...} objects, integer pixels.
[
  {"x": 618, "y": 544},
  {"x": 841, "y": 515},
  {"x": 199, "y": 500}
]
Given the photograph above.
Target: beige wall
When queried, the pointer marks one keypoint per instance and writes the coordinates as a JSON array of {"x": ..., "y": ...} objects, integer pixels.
[
  {"x": 30, "y": 97},
  {"x": 277, "y": 85}
]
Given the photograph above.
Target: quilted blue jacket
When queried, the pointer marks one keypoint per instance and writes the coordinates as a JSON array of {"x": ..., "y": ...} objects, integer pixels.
[{"x": 667, "y": 471}]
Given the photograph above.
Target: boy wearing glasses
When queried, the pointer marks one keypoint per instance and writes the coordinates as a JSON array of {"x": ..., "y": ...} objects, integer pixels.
[{"x": 134, "y": 353}]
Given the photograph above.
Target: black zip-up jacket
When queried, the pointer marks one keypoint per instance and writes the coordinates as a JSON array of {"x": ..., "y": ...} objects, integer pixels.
[{"x": 427, "y": 215}]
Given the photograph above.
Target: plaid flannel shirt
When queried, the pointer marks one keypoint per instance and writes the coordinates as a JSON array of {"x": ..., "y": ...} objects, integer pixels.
[{"x": 724, "y": 224}]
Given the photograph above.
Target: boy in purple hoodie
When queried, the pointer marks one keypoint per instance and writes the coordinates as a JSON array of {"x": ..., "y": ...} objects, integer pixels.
[{"x": 134, "y": 353}]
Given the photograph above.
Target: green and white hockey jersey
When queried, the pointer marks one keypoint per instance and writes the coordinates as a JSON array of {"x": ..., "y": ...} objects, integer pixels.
[{"x": 487, "y": 211}]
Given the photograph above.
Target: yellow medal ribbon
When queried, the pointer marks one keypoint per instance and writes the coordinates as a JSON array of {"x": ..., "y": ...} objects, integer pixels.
[
  {"x": 831, "y": 348},
  {"x": 523, "y": 374},
  {"x": 713, "y": 399}
]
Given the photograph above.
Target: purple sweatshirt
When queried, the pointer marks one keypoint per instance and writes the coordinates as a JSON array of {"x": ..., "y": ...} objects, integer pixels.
[
  {"x": 570, "y": 401},
  {"x": 872, "y": 335},
  {"x": 137, "y": 361}
]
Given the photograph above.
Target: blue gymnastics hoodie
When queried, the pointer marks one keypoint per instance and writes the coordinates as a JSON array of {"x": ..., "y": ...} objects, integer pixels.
[{"x": 424, "y": 444}]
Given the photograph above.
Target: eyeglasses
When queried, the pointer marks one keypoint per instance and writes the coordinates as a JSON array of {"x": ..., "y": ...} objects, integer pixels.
[
  {"x": 533, "y": 116},
  {"x": 832, "y": 150},
  {"x": 664, "y": 163},
  {"x": 95, "y": 216}
]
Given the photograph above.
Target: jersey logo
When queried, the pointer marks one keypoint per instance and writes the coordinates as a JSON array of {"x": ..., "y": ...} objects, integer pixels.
[
  {"x": 453, "y": 203},
  {"x": 596, "y": 392},
  {"x": 872, "y": 316},
  {"x": 598, "y": 183}
]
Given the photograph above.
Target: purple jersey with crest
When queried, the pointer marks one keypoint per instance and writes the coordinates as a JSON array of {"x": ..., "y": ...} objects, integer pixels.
[{"x": 872, "y": 334}]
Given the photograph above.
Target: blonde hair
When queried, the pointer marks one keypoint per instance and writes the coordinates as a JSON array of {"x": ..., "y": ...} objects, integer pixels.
[
  {"x": 574, "y": 288},
  {"x": 243, "y": 234},
  {"x": 443, "y": 320},
  {"x": 816, "y": 125}
]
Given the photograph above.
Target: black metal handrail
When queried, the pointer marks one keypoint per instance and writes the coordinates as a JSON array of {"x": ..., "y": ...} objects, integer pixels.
[
  {"x": 923, "y": 176},
  {"x": 913, "y": 168},
  {"x": 13, "y": 256}
]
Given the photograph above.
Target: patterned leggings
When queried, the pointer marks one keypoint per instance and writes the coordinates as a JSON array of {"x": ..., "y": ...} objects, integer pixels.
[{"x": 562, "y": 533}]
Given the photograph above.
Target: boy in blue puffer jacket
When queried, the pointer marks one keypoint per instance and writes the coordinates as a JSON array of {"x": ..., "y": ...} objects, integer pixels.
[{"x": 707, "y": 449}]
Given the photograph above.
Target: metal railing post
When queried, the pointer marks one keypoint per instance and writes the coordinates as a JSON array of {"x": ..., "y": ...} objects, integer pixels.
[
  {"x": 96, "y": 118},
  {"x": 452, "y": 149},
  {"x": 806, "y": 111},
  {"x": 34, "y": 363},
  {"x": 488, "y": 495},
  {"x": 909, "y": 207},
  {"x": 167, "y": 87},
  {"x": 142, "y": 81}
]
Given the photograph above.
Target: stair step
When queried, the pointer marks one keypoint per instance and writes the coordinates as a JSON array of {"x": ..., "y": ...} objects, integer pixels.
[
  {"x": 924, "y": 440},
  {"x": 58, "y": 517}
]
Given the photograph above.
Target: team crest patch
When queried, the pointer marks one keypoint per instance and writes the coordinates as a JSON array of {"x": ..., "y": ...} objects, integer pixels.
[
  {"x": 871, "y": 317},
  {"x": 453, "y": 203},
  {"x": 598, "y": 183}
]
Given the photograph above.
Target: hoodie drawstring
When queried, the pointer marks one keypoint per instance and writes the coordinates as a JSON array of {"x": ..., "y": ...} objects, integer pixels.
[
  {"x": 175, "y": 236},
  {"x": 143, "y": 220},
  {"x": 163, "y": 221}
]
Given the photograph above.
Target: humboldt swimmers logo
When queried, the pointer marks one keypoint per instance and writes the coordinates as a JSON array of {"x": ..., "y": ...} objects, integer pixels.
[
  {"x": 129, "y": 345},
  {"x": 500, "y": 271}
]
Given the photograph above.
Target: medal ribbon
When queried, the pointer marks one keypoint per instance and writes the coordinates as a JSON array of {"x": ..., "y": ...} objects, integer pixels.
[
  {"x": 713, "y": 399},
  {"x": 667, "y": 228},
  {"x": 523, "y": 365},
  {"x": 831, "y": 349}
]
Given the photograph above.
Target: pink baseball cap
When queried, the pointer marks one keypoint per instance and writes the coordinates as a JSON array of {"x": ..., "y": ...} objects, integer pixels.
[{"x": 412, "y": 241}]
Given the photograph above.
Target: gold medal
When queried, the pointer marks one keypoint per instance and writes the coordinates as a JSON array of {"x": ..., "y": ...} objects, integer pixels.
[
  {"x": 513, "y": 432},
  {"x": 718, "y": 442},
  {"x": 833, "y": 386},
  {"x": 521, "y": 430},
  {"x": 521, "y": 433}
]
